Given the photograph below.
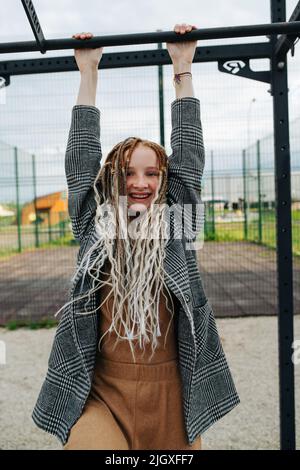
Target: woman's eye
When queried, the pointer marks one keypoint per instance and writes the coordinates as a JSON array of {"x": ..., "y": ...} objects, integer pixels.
[{"x": 149, "y": 174}]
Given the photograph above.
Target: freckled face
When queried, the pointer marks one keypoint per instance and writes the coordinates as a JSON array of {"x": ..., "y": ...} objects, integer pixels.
[{"x": 142, "y": 178}]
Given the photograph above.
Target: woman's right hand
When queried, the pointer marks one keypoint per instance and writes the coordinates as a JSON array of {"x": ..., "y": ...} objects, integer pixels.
[{"x": 87, "y": 58}]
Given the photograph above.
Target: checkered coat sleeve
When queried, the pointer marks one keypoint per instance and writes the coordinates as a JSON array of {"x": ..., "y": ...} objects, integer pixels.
[
  {"x": 82, "y": 163},
  {"x": 186, "y": 163}
]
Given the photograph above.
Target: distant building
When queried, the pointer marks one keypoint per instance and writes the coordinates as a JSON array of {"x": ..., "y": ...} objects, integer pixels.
[
  {"x": 219, "y": 202},
  {"x": 231, "y": 188},
  {"x": 5, "y": 212},
  {"x": 50, "y": 209}
]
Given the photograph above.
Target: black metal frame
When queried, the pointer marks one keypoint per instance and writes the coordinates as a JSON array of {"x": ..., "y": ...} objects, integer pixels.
[{"x": 233, "y": 59}]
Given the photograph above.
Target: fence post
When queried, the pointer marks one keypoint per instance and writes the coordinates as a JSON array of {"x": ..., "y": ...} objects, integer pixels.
[
  {"x": 49, "y": 227},
  {"x": 36, "y": 227},
  {"x": 245, "y": 196},
  {"x": 212, "y": 194},
  {"x": 259, "y": 192},
  {"x": 18, "y": 199}
]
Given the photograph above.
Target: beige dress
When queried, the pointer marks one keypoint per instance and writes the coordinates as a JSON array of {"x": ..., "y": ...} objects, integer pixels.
[{"x": 133, "y": 406}]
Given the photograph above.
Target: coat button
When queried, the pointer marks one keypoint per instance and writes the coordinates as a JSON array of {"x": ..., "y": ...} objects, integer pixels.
[{"x": 187, "y": 297}]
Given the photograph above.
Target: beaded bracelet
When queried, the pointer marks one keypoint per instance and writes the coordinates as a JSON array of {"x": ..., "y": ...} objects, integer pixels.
[{"x": 177, "y": 76}]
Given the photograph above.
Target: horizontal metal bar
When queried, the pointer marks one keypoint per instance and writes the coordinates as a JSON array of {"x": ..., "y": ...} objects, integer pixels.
[
  {"x": 136, "y": 59},
  {"x": 149, "y": 38}
]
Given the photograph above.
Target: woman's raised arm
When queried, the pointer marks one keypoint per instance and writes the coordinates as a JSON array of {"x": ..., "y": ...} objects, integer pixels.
[
  {"x": 182, "y": 54},
  {"x": 87, "y": 60},
  {"x": 83, "y": 153}
]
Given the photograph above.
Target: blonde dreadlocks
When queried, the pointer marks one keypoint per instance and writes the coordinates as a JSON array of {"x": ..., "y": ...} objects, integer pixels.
[{"x": 136, "y": 275}]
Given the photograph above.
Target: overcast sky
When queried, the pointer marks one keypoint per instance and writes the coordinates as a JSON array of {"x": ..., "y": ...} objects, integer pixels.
[
  {"x": 37, "y": 109},
  {"x": 63, "y": 17}
]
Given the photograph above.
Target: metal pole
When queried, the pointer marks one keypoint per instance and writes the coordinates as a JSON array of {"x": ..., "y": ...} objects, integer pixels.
[
  {"x": 34, "y": 23},
  {"x": 49, "y": 227},
  {"x": 259, "y": 192},
  {"x": 18, "y": 200},
  {"x": 245, "y": 196},
  {"x": 213, "y": 194},
  {"x": 154, "y": 37},
  {"x": 36, "y": 228},
  {"x": 161, "y": 100},
  {"x": 279, "y": 89}
]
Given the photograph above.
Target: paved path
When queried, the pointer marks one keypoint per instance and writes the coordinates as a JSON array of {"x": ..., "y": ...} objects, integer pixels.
[
  {"x": 239, "y": 280},
  {"x": 251, "y": 347}
]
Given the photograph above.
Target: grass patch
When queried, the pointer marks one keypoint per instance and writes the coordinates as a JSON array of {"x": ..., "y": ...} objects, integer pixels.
[
  {"x": 234, "y": 230},
  {"x": 67, "y": 240},
  {"x": 45, "y": 323}
]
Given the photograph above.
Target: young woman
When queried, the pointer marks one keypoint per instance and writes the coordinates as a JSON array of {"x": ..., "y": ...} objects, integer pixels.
[{"x": 137, "y": 362}]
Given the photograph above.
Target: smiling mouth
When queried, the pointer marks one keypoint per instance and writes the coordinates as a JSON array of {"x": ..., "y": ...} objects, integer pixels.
[{"x": 139, "y": 197}]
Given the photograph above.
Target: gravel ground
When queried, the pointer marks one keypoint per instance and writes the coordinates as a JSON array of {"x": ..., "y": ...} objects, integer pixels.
[{"x": 251, "y": 347}]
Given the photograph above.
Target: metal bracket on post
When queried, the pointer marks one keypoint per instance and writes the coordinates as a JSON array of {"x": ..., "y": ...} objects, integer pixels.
[
  {"x": 35, "y": 25},
  {"x": 241, "y": 68},
  {"x": 287, "y": 42}
]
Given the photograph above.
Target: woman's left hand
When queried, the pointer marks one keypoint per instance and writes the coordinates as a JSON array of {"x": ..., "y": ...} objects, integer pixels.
[{"x": 182, "y": 51}]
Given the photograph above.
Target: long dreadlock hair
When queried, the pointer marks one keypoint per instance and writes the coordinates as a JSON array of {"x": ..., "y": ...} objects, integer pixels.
[{"x": 137, "y": 277}]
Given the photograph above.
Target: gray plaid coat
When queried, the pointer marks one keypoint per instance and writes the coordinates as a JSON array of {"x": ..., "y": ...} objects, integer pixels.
[{"x": 208, "y": 389}]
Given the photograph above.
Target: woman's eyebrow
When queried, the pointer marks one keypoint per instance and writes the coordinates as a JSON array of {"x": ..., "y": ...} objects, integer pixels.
[{"x": 154, "y": 167}]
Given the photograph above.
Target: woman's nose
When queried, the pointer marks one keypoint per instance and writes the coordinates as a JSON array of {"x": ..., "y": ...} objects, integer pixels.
[{"x": 140, "y": 182}]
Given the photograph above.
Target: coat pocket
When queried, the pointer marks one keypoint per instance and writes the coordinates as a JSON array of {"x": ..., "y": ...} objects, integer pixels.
[
  {"x": 208, "y": 343},
  {"x": 199, "y": 297}
]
